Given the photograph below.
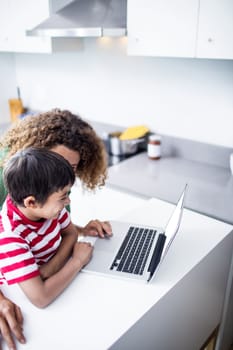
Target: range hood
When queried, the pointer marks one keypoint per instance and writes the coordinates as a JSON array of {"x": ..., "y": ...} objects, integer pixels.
[{"x": 85, "y": 18}]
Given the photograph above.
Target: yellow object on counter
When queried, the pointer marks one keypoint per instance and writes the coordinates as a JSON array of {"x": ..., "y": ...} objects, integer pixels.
[
  {"x": 134, "y": 132},
  {"x": 16, "y": 108}
]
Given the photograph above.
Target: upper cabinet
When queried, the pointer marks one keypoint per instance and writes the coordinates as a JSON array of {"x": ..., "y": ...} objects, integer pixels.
[
  {"x": 180, "y": 28},
  {"x": 18, "y": 16},
  {"x": 162, "y": 27},
  {"x": 215, "y": 29}
]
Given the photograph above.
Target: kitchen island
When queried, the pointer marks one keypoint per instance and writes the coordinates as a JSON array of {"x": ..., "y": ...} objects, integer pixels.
[
  {"x": 184, "y": 304},
  {"x": 178, "y": 310},
  {"x": 205, "y": 168}
]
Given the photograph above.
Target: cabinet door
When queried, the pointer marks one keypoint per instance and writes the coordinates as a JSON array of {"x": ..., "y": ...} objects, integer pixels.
[
  {"x": 5, "y": 25},
  {"x": 39, "y": 11},
  {"x": 215, "y": 30},
  {"x": 18, "y": 16},
  {"x": 162, "y": 27}
]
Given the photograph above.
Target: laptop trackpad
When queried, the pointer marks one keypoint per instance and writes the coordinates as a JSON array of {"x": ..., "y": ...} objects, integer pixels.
[{"x": 109, "y": 244}]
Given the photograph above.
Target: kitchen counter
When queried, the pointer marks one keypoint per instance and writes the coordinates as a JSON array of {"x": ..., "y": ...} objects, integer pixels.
[
  {"x": 97, "y": 312},
  {"x": 210, "y": 187},
  {"x": 204, "y": 167}
]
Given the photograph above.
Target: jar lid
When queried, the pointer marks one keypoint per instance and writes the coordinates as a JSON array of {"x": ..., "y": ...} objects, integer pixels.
[{"x": 154, "y": 137}]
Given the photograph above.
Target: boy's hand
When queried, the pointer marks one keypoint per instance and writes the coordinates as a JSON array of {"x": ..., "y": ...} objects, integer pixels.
[
  {"x": 97, "y": 228},
  {"x": 83, "y": 252}
]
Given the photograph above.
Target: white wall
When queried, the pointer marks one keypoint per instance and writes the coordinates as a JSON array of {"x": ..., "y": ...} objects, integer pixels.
[
  {"x": 8, "y": 85},
  {"x": 190, "y": 98}
]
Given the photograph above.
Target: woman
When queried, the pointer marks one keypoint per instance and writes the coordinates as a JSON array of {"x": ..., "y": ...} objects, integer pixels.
[{"x": 73, "y": 138}]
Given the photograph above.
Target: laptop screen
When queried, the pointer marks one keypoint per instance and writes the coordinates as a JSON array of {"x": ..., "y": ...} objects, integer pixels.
[{"x": 174, "y": 223}]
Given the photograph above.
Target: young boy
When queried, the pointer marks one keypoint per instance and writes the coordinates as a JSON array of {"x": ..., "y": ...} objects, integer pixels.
[{"x": 34, "y": 223}]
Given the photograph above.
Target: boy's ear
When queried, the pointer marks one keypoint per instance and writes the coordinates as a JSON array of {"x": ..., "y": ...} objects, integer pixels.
[{"x": 30, "y": 202}]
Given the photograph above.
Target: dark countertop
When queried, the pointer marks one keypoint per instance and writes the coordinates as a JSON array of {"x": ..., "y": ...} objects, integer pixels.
[
  {"x": 204, "y": 167},
  {"x": 210, "y": 187}
]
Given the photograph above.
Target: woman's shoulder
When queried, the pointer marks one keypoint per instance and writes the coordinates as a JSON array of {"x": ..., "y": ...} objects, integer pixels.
[{"x": 3, "y": 154}]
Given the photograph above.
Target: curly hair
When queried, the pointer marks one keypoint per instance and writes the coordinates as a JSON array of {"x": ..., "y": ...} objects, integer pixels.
[{"x": 61, "y": 127}]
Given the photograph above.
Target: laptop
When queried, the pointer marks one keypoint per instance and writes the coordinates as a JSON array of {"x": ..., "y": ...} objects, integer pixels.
[{"x": 134, "y": 251}]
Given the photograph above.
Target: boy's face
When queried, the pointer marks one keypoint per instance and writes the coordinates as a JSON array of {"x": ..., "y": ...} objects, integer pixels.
[{"x": 53, "y": 206}]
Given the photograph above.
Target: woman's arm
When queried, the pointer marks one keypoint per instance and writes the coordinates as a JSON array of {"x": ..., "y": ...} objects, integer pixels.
[
  {"x": 41, "y": 293},
  {"x": 69, "y": 237}
]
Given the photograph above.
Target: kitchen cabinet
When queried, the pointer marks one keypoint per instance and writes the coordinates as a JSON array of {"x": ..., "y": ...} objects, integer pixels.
[
  {"x": 180, "y": 28},
  {"x": 18, "y": 16},
  {"x": 162, "y": 27},
  {"x": 215, "y": 29},
  {"x": 5, "y": 24}
]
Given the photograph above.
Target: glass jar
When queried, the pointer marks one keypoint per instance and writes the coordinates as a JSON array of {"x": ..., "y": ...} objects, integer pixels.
[{"x": 154, "y": 146}]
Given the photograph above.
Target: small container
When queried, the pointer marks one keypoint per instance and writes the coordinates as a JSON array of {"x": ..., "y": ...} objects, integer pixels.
[
  {"x": 118, "y": 147},
  {"x": 154, "y": 146}
]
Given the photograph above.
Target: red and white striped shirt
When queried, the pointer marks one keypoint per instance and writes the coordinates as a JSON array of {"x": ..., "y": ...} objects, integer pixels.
[{"x": 26, "y": 244}]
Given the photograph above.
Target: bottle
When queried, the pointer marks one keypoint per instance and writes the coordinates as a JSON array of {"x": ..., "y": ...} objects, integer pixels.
[{"x": 154, "y": 146}]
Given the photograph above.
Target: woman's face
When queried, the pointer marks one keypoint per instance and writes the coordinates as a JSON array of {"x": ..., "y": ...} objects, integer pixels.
[{"x": 73, "y": 157}]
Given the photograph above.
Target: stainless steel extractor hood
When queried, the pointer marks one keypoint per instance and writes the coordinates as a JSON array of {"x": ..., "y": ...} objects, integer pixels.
[{"x": 85, "y": 18}]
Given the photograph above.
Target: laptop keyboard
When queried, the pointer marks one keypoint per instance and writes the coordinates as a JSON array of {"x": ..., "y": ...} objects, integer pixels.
[{"x": 134, "y": 251}]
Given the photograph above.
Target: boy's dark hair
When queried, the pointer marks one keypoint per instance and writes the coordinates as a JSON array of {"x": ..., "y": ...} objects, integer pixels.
[{"x": 36, "y": 172}]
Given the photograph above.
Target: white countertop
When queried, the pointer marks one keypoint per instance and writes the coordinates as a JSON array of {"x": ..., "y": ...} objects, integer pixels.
[{"x": 95, "y": 311}]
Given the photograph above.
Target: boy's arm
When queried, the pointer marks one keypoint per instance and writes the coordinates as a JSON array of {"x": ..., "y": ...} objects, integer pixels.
[
  {"x": 69, "y": 237},
  {"x": 41, "y": 293},
  {"x": 95, "y": 228}
]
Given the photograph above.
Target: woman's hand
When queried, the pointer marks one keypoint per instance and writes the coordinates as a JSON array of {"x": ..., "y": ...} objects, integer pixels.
[
  {"x": 96, "y": 228},
  {"x": 11, "y": 322}
]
